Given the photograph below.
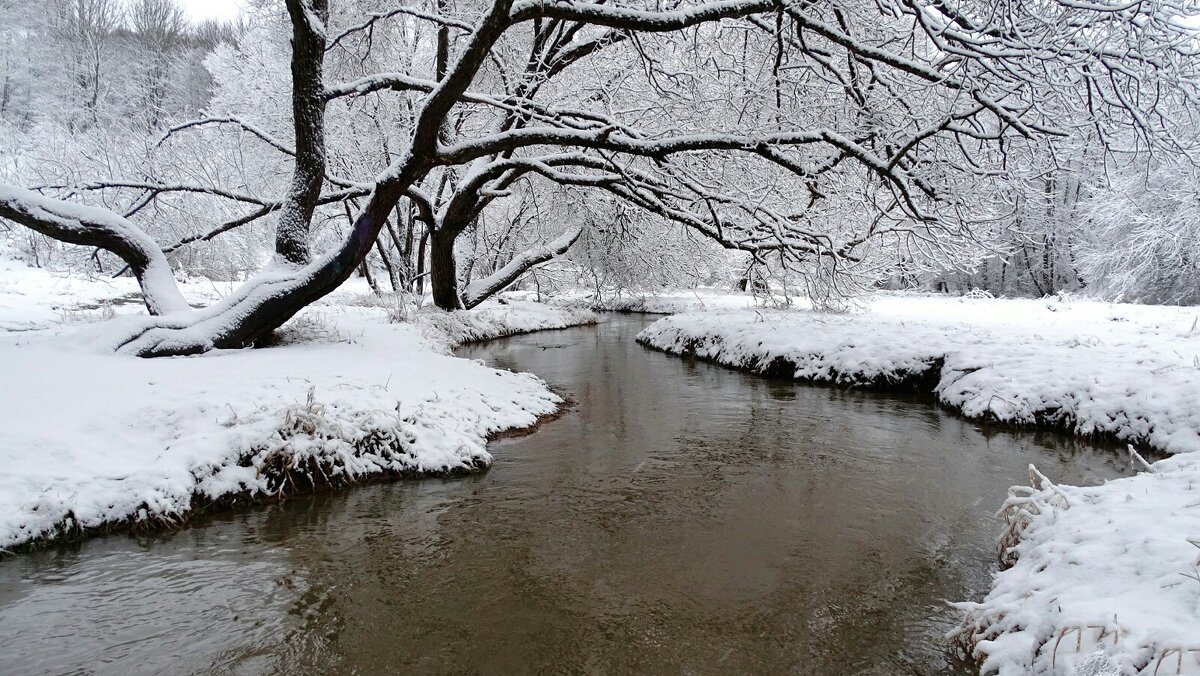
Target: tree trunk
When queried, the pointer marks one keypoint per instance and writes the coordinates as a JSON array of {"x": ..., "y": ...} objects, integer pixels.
[
  {"x": 264, "y": 303},
  {"x": 91, "y": 226},
  {"x": 421, "y": 248},
  {"x": 393, "y": 276},
  {"x": 365, "y": 269},
  {"x": 405, "y": 247},
  {"x": 482, "y": 289},
  {"x": 308, "y": 120},
  {"x": 443, "y": 270},
  {"x": 4, "y": 94}
]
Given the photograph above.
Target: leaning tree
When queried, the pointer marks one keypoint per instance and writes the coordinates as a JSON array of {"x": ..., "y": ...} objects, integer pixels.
[{"x": 756, "y": 123}]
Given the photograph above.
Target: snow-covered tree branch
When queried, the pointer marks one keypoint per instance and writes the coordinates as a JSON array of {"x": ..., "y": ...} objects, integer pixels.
[{"x": 802, "y": 133}]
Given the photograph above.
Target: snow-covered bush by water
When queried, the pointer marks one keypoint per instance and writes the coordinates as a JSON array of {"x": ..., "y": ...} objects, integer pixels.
[{"x": 1107, "y": 575}]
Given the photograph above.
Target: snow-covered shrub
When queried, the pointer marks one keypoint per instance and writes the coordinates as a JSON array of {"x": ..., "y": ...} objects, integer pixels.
[
  {"x": 312, "y": 326},
  {"x": 320, "y": 445},
  {"x": 1144, "y": 236}
]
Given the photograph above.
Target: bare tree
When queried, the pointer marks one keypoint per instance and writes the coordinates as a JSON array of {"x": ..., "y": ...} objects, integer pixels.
[
  {"x": 889, "y": 106},
  {"x": 159, "y": 27},
  {"x": 1143, "y": 235},
  {"x": 84, "y": 30}
]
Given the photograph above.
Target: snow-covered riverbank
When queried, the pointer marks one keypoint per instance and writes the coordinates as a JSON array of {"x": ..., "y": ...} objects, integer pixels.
[
  {"x": 93, "y": 440},
  {"x": 1129, "y": 371},
  {"x": 1111, "y": 569},
  {"x": 665, "y": 302},
  {"x": 1105, "y": 576}
]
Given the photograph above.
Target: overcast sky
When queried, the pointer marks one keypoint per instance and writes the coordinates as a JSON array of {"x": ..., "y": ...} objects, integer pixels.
[{"x": 211, "y": 9}]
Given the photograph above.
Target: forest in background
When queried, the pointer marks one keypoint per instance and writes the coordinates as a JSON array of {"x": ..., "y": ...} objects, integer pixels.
[{"x": 186, "y": 129}]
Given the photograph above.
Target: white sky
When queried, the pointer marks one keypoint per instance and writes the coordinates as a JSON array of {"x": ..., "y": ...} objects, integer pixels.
[{"x": 211, "y": 9}]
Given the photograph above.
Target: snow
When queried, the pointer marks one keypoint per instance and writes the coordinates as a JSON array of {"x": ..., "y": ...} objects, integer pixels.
[
  {"x": 37, "y": 298},
  {"x": 1106, "y": 579},
  {"x": 78, "y": 222},
  {"x": 1129, "y": 371},
  {"x": 496, "y": 318},
  {"x": 1109, "y": 569},
  {"x": 93, "y": 438}
]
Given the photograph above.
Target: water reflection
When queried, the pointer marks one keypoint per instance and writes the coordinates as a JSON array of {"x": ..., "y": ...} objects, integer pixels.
[{"x": 682, "y": 518}]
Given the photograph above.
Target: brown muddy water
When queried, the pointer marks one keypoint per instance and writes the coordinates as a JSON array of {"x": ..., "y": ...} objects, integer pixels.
[{"x": 681, "y": 519}]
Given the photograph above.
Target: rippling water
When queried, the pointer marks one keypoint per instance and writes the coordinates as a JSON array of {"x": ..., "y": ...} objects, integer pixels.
[{"x": 682, "y": 518}]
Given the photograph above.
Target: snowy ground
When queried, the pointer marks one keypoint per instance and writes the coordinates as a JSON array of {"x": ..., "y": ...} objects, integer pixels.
[
  {"x": 93, "y": 439},
  {"x": 1109, "y": 569},
  {"x": 1106, "y": 579}
]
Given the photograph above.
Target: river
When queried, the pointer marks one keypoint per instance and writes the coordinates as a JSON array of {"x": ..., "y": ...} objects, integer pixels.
[{"x": 680, "y": 518}]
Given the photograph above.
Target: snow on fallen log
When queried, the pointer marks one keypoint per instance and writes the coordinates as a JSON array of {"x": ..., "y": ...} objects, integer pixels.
[
  {"x": 499, "y": 318},
  {"x": 659, "y": 302},
  {"x": 1099, "y": 580}
]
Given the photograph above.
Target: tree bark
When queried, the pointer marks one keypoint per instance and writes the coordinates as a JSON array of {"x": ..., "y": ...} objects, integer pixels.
[
  {"x": 365, "y": 269},
  {"x": 393, "y": 275},
  {"x": 421, "y": 257},
  {"x": 482, "y": 289},
  {"x": 443, "y": 270},
  {"x": 264, "y": 303},
  {"x": 308, "y": 120},
  {"x": 91, "y": 226}
]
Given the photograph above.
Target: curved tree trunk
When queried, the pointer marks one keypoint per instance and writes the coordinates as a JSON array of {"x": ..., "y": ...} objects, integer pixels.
[
  {"x": 444, "y": 271},
  {"x": 264, "y": 303},
  {"x": 482, "y": 289},
  {"x": 268, "y": 300},
  {"x": 92, "y": 226}
]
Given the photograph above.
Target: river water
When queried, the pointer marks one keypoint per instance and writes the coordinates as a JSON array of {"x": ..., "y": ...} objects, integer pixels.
[{"x": 681, "y": 518}]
